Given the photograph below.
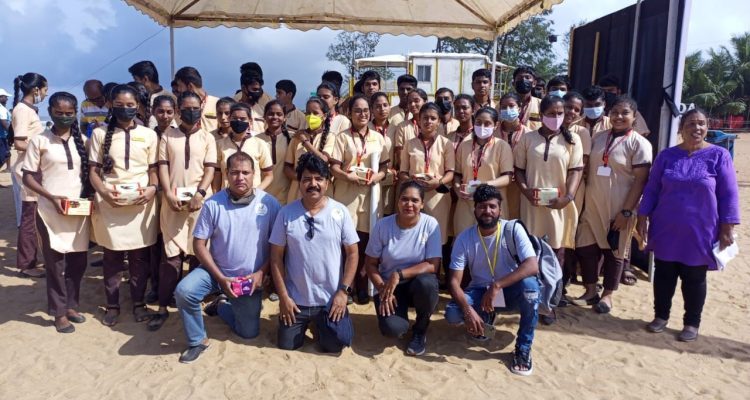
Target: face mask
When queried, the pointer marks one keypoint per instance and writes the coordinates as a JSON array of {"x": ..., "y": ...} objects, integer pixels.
[
  {"x": 609, "y": 98},
  {"x": 445, "y": 106},
  {"x": 537, "y": 93},
  {"x": 523, "y": 86},
  {"x": 254, "y": 95},
  {"x": 37, "y": 99},
  {"x": 483, "y": 132},
  {"x": 124, "y": 114},
  {"x": 509, "y": 114},
  {"x": 313, "y": 121},
  {"x": 190, "y": 116},
  {"x": 558, "y": 93},
  {"x": 553, "y": 123},
  {"x": 593, "y": 112},
  {"x": 63, "y": 122},
  {"x": 239, "y": 126}
]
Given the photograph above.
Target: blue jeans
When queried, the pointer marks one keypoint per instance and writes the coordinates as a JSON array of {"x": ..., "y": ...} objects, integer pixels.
[
  {"x": 522, "y": 295},
  {"x": 241, "y": 314},
  {"x": 293, "y": 337}
]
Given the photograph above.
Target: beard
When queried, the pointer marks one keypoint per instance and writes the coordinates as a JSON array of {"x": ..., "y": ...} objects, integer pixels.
[{"x": 487, "y": 222}]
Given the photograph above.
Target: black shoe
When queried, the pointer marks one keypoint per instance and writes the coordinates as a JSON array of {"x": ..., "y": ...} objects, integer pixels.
[
  {"x": 417, "y": 345},
  {"x": 152, "y": 297},
  {"x": 363, "y": 298},
  {"x": 521, "y": 359},
  {"x": 549, "y": 319},
  {"x": 77, "y": 319},
  {"x": 212, "y": 308},
  {"x": 157, "y": 321},
  {"x": 97, "y": 263},
  {"x": 192, "y": 353},
  {"x": 66, "y": 329}
]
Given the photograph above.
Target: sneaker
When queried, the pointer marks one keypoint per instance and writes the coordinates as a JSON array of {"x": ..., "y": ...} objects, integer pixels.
[
  {"x": 521, "y": 359},
  {"x": 192, "y": 353},
  {"x": 657, "y": 325},
  {"x": 273, "y": 297},
  {"x": 212, "y": 308},
  {"x": 417, "y": 344},
  {"x": 688, "y": 334}
]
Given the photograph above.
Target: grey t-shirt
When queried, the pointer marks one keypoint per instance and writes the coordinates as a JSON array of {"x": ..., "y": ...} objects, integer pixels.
[
  {"x": 469, "y": 252},
  {"x": 313, "y": 266},
  {"x": 401, "y": 248}
]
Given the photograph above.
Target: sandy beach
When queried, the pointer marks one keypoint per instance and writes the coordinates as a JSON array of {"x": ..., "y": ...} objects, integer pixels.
[{"x": 583, "y": 356}]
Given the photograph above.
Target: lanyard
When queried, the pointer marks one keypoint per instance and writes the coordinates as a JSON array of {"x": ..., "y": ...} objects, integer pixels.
[
  {"x": 487, "y": 252},
  {"x": 512, "y": 136},
  {"x": 458, "y": 140},
  {"x": 241, "y": 145},
  {"x": 361, "y": 153},
  {"x": 476, "y": 163},
  {"x": 416, "y": 127},
  {"x": 427, "y": 153},
  {"x": 611, "y": 146},
  {"x": 523, "y": 115},
  {"x": 382, "y": 129}
]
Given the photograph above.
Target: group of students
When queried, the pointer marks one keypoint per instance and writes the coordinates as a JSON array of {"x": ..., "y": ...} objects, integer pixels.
[{"x": 276, "y": 191}]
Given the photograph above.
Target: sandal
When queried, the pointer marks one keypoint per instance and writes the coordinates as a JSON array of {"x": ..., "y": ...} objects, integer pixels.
[
  {"x": 110, "y": 318},
  {"x": 602, "y": 308},
  {"x": 521, "y": 364},
  {"x": 76, "y": 318},
  {"x": 628, "y": 278},
  {"x": 157, "y": 321},
  {"x": 35, "y": 272},
  {"x": 65, "y": 329},
  {"x": 141, "y": 313},
  {"x": 657, "y": 325},
  {"x": 585, "y": 302}
]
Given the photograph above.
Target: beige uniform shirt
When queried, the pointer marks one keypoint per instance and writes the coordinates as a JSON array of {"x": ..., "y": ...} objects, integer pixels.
[
  {"x": 478, "y": 105},
  {"x": 339, "y": 123},
  {"x": 397, "y": 115},
  {"x": 256, "y": 148},
  {"x": 546, "y": 163},
  {"x": 406, "y": 131},
  {"x": 490, "y": 161},
  {"x": 436, "y": 160},
  {"x": 445, "y": 128},
  {"x": 295, "y": 120},
  {"x": 639, "y": 125},
  {"x": 296, "y": 150},
  {"x": 388, "y": 192},
  {"x": 350, "y": 150},
  {"x": 60, "y": 166},
  {"x": 531, "y": 116},
  {"x": 585, "y": 136},
  {"x": 163, "y": 92},
  {"x": 208, "y": 118},
  {"x": 277, "y": 148},
  {"x": 133, "y": 152},
  {"x": 602, "y": 124},
  {"x": 513, "y": 195},
  {"x": 187, "y": 156},
  {"x": 456, "y": 139},
  {"x": 26, "y": 124},
  {"x": 605, "y": 195}
]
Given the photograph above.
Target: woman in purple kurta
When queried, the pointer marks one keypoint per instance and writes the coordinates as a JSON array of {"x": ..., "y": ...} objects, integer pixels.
[{"x": 690, "y": 202}]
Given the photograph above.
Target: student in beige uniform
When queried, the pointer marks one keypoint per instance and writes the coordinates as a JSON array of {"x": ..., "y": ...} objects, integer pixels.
[
  {"x": 187, "y": 160},
  {"x": 59, "y": 154},
  {"x": 245, "y": 140},
  {"x": 550, "y": 157},
  {"x": 429, "y": 159},
  {"x": 573, "y": 115},
  {"x": 145, "y": 73},
  {"x": 188, "y": 79},
  {"x": 618, "y": 169},
  {"x": 294, "y": 119},
  {"x": 241, "y": 97},
  {"x": 409, "y": 129},
  {"x": 277, "y": 138},
  {"x": 595, "y": 120},
  {"x": 524, "y": 80},
  {"x": 223, "y": 110},
  {"x": 26, "y": 124},
  {"x": 380, "y": 109},
  {"x": 481, "y": 83},
  {"x": 610, "y": 84},
  {"x": 484, "y": 159},
  {"x": 318, "y": 141},
  {"x": 327, "y": 92},
  {"x": 510, "y": 130},
  {"x": 354, "y": 148},
  {"x": 444, "y": 99},
  {"x": 252, "y": 91},
  {"x": 406, "y": 84},
  {"x": 124, "y": 153}
]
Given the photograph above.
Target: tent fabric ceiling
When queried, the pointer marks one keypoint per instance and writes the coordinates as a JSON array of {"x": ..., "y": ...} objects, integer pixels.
[{"x": 483, "y": 19}]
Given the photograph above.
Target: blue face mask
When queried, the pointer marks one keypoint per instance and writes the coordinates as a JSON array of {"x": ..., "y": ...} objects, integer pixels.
[
  {"x": 593, "y": 112},
  {"x": 509, "y": 114},
  {"x": 558, "y": 93}
]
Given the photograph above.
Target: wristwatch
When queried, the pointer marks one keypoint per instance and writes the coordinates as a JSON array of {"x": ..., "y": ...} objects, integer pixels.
[
  {"x": 400, "y": 274},
  {"x": 201, "y": 191},
  {"x": 626, "y": 213},
  {"x": 347, "y": 289}
]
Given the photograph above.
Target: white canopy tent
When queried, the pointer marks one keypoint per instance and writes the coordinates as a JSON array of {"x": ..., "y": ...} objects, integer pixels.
[{"x": 485, "y": 19}]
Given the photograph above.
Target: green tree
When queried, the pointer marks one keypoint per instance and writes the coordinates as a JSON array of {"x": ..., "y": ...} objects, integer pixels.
[
  {"x": 349, "y": 46},
  {"x": 717, "y": 83}
]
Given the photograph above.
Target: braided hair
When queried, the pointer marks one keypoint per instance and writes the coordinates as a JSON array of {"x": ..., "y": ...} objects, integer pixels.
[
  {"x": 108, "y": 163},
  {"x": 143, "y": 98},
  {"x": 326, "y": 123},
  {"x": 547, "y": 102},
  {"x": 75, "y": 133}
]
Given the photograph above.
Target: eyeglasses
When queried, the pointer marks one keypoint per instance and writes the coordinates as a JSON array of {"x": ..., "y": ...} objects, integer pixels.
[{"x": 310, "y": 222}]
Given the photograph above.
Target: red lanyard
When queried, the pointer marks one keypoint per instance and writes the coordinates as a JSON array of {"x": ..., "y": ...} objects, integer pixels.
[
  {"x": 524, "y": 117},
  {"x": 416, "y": 127},
  {"x": 383, "y": 129},
  {"x": 610, "y": 146},
  {"x": 477, "y": 163},
  {"x": 512, "y": 137},
  {"x": 427, "y": 153},
  {"x": 458, "y": 140},
  {"x": 361, "y": 153}
]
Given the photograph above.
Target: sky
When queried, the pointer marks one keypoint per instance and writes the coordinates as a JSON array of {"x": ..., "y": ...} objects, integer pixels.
[{"x": 75, "y": 40}]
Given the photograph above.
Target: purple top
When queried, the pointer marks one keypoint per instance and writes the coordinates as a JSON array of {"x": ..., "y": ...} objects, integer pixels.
[{"x": 686, "y": 198}]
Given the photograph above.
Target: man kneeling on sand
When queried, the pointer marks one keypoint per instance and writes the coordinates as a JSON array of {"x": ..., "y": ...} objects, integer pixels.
[
  {"x": 495, "y": 286},
  {"x": 238, "y": 222}
]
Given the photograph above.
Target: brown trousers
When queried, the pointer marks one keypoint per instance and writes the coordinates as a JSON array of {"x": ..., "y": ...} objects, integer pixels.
[
  {"x": 170, "y": 272},
  {"x": 589, "y": 257},
  {"x": 64, "y": 274},
  {"x": 27, "y": 240},
  {"x": 360, "y": 279},
  {"x": 138, "y": 265}
]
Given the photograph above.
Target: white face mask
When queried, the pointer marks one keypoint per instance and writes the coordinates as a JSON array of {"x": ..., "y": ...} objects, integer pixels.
[
  {"x": 483, "y": 132},
  {"x": 37, "y": 99}
]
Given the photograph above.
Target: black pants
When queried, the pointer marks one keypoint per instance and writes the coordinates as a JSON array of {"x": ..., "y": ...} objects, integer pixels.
[
  {"x": 589, "y": 257},
  {"x": 421, "y": 293},
  {"x": 693, "y": 290}
]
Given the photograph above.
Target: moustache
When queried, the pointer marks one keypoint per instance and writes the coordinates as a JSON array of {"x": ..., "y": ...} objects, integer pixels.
[{"x": 313, "y": 189}]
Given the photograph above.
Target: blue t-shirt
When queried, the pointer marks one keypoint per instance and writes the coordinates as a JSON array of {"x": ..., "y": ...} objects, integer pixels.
[
  {"x": 313, "y": 266},
  {"x": 238, "y": 234},
  {"x": 468, "y": 251},
  {"x": 402, "y": 248}
]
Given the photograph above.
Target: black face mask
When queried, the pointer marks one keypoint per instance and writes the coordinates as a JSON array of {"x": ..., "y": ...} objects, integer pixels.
[
  {"x": 537, "y": 93},
  {"x": 523, "y": 86},
  {"x": 239, "y": 126},
  {"x": 254, "y": 95},
  {"x": 124, "y": 114},
  {"x": 609, "y": 99},
  {"x": 190, "y": 116},
  {"x": 63, "y": 122},
  {"x": 445, "y": 106}
]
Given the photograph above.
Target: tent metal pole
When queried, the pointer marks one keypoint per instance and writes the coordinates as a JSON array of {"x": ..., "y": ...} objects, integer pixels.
[
  {"x": 492, "y": 68},
  {"x": 171, "y": 48},
  {"x": 634, "y": 48}
]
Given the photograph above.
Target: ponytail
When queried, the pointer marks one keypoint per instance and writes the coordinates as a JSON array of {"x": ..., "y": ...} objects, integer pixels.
[
  {"x": 16, "y": 90},
  {"x": 75, "y": 132},
  {"x": 107, "y": 162},
  {"x": 326, "y": 130},
  {"x": 566, "y": 134}
]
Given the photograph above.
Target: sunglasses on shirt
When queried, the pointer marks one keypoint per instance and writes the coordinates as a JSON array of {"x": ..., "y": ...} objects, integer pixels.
[{"x": 310, "y": 222}]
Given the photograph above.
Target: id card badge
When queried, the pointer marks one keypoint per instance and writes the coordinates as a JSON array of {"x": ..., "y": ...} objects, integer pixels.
[
  {"x": 499, "y": 300},
  {"x": 603, "y": 171}
]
